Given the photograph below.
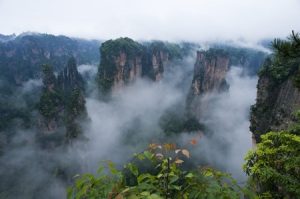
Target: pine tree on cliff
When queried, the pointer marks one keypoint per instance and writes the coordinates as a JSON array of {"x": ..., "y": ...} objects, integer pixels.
[
  {"x": 71, "y": 85},
  {"x": 62, "y": 103},
  {"x": 284, "y": 63},
  {"x": 278, "y": 94},
  {"x": 51, "y": 101},
  {"x": 70, "y": 78},
  {"x": 118, "y": 57}
]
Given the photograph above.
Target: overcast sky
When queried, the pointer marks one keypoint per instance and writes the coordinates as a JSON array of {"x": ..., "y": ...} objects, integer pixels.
[{"x": 194, "y": 20}]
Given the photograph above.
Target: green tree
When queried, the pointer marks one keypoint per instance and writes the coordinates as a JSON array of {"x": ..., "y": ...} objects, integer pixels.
[
  {"x": 50, "y": 101},
  {"x": 48, "y": 75},
  {"x": 274, "y": 166},
  {"x": 62, "y": 100},
  {"x": 164, "y": 178},
  {"x": 285, "y": 61}
]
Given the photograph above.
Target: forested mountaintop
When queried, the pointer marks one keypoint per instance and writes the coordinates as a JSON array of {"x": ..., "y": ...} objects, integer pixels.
[{"x": 21, "y": 56}]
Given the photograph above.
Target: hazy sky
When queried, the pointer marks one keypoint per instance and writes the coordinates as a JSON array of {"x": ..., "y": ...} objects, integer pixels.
[{"x": 153, "y": 19}]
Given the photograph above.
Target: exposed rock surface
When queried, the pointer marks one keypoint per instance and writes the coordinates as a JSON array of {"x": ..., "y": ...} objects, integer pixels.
[
  {"x": 210, "y": 72},
  {"x": 278, "y": 90},
  {"x": 70, "y": 78},
  {"x": 61, "y": 105},
  {"x": 209, "y": 76},
  {"x": 120, "y": 63},
  {"x": 156, "y": 58},
  {"x": 128, "y": 69},
  {"x": 275, "y": 106},
  {"x": 124, "y": 60}
]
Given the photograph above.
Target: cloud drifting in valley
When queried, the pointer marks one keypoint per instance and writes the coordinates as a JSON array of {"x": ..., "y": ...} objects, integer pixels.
[
  {"x": 195, "y": 20},
  {"x": 130, "y": 121},
  {"x": 127, "y": 124},
  {"x": 227, "y": 116}
]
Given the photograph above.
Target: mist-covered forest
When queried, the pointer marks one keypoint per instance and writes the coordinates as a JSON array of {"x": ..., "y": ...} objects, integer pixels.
[{"x": 144, "y": 104}]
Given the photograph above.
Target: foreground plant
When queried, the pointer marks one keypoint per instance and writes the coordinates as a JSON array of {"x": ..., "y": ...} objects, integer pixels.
[
  {"x": 274, "y": 167},
  {"x": 156, "y": 173}
]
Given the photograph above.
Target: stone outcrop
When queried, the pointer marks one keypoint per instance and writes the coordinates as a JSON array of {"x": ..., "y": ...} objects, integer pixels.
[
  {"x": 156, "y": 59},
  {"x": 124, "y": 60},
  {"x": 209, "y": 72},
  {"x": 62, "y": 105},
  {"x": 120, "y": 63},
  {"x": 275, "y": 106},
  {"x": 209, "y": 76},
  {"x": 128, "y": 69},
  {"x": 278, "y": 90},
  {"x": 70, "y": 79}
]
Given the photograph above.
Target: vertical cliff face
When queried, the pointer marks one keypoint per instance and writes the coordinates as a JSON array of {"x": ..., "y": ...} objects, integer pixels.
[
  {"x": 121, "y": 63},
  {"x": 210, "y": 72},
  {"x": 159, "y": 59},
  {"x": 70, "y": 79},
  {"x": 278, "y": 95},
  {"x": 124, "y": 60},
  {"x": 275, "y": 106},
  {"x": 62, "y": 105},
  {"x": 156, "y": 58},
  {"x": 209, "y": 76},
  {"x": 128, "y": 69}
]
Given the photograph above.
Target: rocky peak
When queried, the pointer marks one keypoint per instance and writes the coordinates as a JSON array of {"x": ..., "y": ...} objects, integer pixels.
[
  {"x": 275, "y": 106},
  {"x": 159, "y": 57},
  {"x": 209, "y": 76},
  {"x": 278, "y": 95},
  {"x": 120, "y": 63},
  {"x": 62, "y": 103},
  {"x": 70, "y": 78},
  {"x": 124, "y": 60},
  {"x": 210, "y": 71}
]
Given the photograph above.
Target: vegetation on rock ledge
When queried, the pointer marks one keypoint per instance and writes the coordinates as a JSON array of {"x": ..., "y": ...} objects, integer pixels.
[{"x": 285, "y": 61}]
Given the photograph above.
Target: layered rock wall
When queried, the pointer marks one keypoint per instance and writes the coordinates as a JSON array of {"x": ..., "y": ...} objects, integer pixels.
[
  {"x": 209, "y": 76},
  {"x": 275, "y": 106}
]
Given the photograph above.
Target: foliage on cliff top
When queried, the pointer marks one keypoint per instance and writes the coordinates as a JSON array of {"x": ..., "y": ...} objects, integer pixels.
[
  {"x": 112, "y": 48},
  {"x": 173, "y": 50},
  {"x": 50, "y": 99},
  {"x": 285, "y": 61},
  {"x": 213, "y": 53},
  {"x": 62, "y": 98},
  {"x": 166, "y": 178},
  {"x": 109, "y": 51},
  {"x": 274, "y": 166},
  {"x": 48, "y": 75}
]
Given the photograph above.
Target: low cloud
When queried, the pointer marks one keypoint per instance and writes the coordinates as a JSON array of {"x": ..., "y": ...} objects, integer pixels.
[
  {"x": 226, "y": 116},
  {"x": 127, "y": 124},
  {"x": 191, "y": 20}
]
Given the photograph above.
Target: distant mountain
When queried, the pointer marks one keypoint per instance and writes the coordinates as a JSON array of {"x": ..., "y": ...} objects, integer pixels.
[
  {"x": 21, "y": 61},
  {"x": 21, "y": 57},
  {"x": 5, "y": 38}
]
